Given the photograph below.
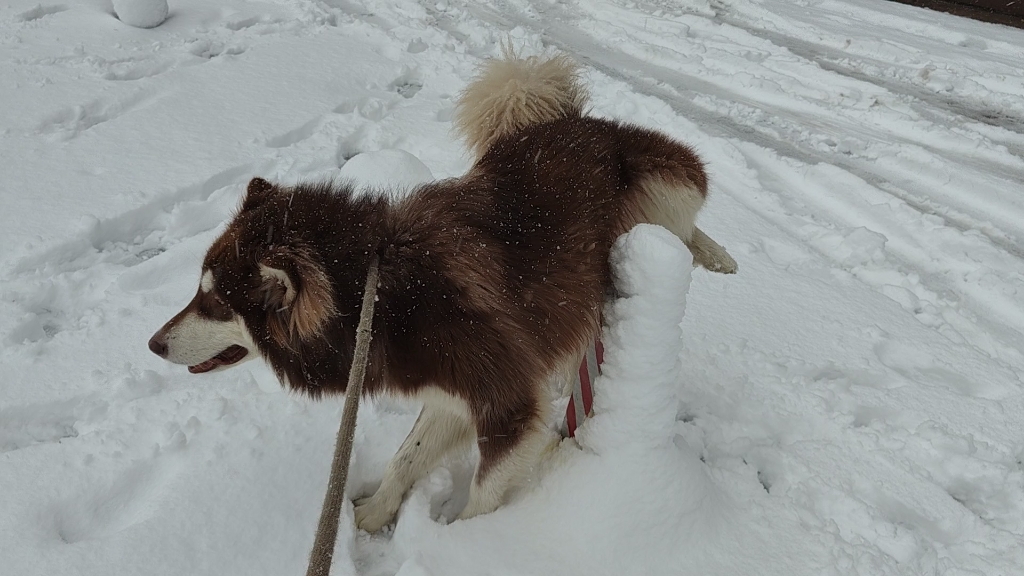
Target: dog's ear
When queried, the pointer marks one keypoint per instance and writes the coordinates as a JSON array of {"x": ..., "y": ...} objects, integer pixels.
[
  {"x": 256, "y": 192},
  {"x": 296, "y": 293}
]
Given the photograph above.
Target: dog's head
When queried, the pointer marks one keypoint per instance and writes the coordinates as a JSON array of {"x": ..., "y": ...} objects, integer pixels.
[{"x": 261, "y": 287}]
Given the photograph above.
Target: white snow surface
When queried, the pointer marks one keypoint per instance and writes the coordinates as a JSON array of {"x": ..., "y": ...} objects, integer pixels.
[{"x": 850, "y": 403}]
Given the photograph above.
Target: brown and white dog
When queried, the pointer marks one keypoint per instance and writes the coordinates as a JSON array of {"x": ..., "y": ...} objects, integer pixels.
[{"x": 489, "y": 283}]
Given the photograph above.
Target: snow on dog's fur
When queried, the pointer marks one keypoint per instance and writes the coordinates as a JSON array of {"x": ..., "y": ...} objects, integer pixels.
[{"x": 489, "y": 283}]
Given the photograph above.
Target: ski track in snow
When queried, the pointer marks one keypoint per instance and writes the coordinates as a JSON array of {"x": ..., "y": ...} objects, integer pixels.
[{"x": 850, "y": 403}]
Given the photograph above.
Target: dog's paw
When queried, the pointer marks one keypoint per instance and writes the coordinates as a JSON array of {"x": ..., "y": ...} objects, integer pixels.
[
  {"x": 710, "y": 254},
  {"x": 372, "y": 514},
  {"x": 720, "y": 262}
]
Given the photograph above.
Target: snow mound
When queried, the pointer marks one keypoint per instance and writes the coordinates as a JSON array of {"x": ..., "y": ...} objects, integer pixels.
[
  {"x": 635, "y": 400},
  {"x": 386, "y": 169},
  {"x": 141, "y": 13}
]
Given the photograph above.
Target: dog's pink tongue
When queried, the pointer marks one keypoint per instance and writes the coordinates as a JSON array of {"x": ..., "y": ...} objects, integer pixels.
[{"x": 230, "y": 355}]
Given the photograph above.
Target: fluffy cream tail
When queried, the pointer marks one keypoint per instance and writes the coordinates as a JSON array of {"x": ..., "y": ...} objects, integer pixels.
[{"x": 511, "y": 93}]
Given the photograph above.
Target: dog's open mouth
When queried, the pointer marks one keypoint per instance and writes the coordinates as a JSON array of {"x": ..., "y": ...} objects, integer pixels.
[{"x": 226, "y": 358}]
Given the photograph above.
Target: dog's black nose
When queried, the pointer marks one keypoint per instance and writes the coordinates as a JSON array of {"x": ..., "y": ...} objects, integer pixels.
[{"x": 158, "y": 346}]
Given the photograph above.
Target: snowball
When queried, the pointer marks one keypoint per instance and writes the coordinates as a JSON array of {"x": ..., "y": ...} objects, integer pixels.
[
  {"x": 141, "y": 13},
  {"x": 386, "y": 169}
]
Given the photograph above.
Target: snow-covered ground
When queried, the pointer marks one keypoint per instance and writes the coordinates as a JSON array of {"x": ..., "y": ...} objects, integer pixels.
[{"x": 850, "y": 403}]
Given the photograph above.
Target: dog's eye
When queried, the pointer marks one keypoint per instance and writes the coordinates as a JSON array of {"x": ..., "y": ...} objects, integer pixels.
[{"x": 212, "y": 306}]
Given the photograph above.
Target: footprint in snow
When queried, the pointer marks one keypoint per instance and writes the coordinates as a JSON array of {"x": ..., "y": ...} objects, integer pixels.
[
  {"x": 17, "y": 435},
  {"x": 125, "y": 501},
  {"x": 210, "y": 49},
  {"x": 58, "y": 300},
  {"x": 39, "y": 326},
  {"x": 263, "y": 24},
  {"x": 137, "y": 70},
  {"x": 368, "y": 108},
  {"x": 350, "y": 146},
  {"x": 40, "y": 11},
  {"x": 30, "y": 425},
  {"x": 416, "y": 46},
  {"x": 138, "y": 235},
  {"x": 408, "y": 83},
  {"x": 49, "y": 422},
  {"x": 921, "y": 366},
  {"x": 295, "y": 136},
  {"x": 242, "y": 24},
  {"x": 69, "y": 122},
  {"x": 784, "y": 254}
]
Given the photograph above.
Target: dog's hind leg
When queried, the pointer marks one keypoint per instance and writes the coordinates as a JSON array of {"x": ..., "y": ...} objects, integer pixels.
[
  {"x": 674, "y": 204},
  {"x": 442, "y": 426},
  {"x": 504, "y": 465},
  {"x": 710, "y": 254}
]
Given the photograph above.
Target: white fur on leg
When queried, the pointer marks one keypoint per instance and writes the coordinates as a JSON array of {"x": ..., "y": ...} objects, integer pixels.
[
  {"x": 675, "y": 207},
  {"x": 672, "y": 205},
  {"x": 442, "y": 426},
  {"x": 485, "y": 495}
]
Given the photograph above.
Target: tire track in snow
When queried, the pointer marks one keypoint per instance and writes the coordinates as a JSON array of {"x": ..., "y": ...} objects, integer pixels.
[
  {"x": 841, "y": 132},
  {"x": 924, "y": 101},
  {"x": 919, "y": 53}
]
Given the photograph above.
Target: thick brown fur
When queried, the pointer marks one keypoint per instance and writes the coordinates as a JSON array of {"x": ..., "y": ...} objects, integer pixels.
[
  {"x": 486, "y": 280},
  {"x": 488, "y": 283}
]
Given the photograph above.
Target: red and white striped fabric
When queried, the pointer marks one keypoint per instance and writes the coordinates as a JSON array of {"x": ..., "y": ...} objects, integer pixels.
[{"x": 581, "y": 403}]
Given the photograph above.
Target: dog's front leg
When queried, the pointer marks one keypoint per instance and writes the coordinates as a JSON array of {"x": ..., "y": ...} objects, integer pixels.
[{"x": 438, "y": 430}]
